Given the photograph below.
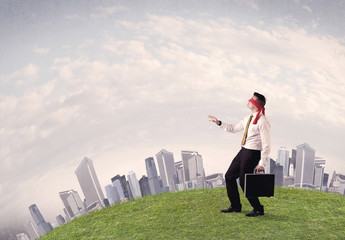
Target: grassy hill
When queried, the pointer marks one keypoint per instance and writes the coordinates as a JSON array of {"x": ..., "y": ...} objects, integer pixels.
[{"x": 291, "y": 214}]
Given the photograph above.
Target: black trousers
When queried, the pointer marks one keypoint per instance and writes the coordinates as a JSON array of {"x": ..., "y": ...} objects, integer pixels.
[{"x": 245, "y": 162}]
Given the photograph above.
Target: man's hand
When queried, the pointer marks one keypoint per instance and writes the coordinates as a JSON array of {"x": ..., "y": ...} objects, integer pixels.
[
  {"x": 213, "y": 119},
  {"x": 260, "y": 169}
]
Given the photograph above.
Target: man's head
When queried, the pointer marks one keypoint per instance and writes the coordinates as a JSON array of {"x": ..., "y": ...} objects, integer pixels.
[{"x": 260, "y": 99}]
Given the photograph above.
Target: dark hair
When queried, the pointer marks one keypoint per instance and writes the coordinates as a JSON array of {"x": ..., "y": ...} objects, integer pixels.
[{"x": 261, "y": 99}]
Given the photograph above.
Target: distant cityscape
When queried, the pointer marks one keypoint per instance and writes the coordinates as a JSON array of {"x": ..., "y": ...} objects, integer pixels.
[{"x": 300, "y": 169}]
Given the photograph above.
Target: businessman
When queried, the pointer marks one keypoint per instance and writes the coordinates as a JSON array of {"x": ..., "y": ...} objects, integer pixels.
[{"x": 254, "y": 153}]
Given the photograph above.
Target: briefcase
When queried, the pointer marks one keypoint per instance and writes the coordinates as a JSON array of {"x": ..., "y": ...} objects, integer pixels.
[{"x": 259, "y": 185}]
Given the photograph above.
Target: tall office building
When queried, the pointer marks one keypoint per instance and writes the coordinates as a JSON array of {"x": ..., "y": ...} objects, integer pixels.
[
  {"x": 42, "y": 225},
  {"x": 194, "y": 174},
  {"x": 283, "y": 160},
  {"x": 60, "y": 220},
  {"x": 325, "y": 181},
  {"x": 67, "y": 217},
  {"x": 73, "y": 203},
  {"x": 112, "y": 193},
  {"x": 186, "y": 155},
  {"x": 304, "y": 173},
  {"x": 144, "y": 186},
  {"x": 134, "y": 184},
  {"x": 167, "y": 170},
  {"x": 179, "y": 172},
  {"x": 279, "y": 175},
  {"x": 89, "y": 184},
  {"x": 270, "y": 166},
  {"x": 124, "y": 185},
  {"x": 152, "y": 176},
  {"x": 319, "y": 172},
  {"x": 32, "y": 230},
  {"x": 22, "y": 236},
  {"x": 293, "y": 162}
]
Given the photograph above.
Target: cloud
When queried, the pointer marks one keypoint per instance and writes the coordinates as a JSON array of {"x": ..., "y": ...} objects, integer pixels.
[
  {"x": 102, "y": 12},
  {"x": 42, "y": 51},
  {"x": 307, "y": 8},
  {"x": 21, "y": 77}
]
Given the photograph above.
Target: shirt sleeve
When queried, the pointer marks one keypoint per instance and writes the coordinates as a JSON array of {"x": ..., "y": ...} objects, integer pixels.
[
  {"x": 233, "y": 127},
  {"x": 266, "y": 143}
]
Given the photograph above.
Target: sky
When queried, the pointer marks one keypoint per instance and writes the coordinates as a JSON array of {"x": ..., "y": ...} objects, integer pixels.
[{"x": 117, "y": 81}]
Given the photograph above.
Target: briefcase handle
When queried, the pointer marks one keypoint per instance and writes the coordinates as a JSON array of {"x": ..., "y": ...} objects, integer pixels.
[{"x": 255, "y": 171}]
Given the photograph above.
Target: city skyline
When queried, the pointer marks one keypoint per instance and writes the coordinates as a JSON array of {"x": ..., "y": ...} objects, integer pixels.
[
  {"x": 306, "y": 164},
  {"x": 119, "y": 80}
]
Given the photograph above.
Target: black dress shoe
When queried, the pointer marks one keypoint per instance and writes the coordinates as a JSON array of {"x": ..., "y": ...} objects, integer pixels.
[
  {"x": 231, "y": 209},
  {"x": 255, "y": 213}
]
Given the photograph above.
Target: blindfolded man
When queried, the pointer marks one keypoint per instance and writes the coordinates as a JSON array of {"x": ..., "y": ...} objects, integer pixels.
[{"x": 255, "y": 148}]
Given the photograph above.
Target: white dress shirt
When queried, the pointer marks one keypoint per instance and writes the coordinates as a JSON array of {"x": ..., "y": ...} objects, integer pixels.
[{"x": 258, "y": 136}]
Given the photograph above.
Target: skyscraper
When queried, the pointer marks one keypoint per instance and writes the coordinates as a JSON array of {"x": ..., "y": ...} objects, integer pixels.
[
  {"x": 134, "y": 184},
  {"x": 318, "y": 172},
  {"x": 60, "y": 219},
  {"x": 89, "y": 184},
  {"x": 167, "y": 170},
  {"x": 152, "y": 176},
  {"x": 73, "y": 203},
  {"x": 124, "y": 185},
  {"x": 112, "y": 193},
  {"x": 144, "y": 186},
  {"x": 193, "y": 169},
  {"x": 32, "y": 230},
  {"x": 304, "y": 173},
  {"x": 283, "y": 160},
  {"x": 42, "y": 225},
  {"x": 186, "y": 155}
]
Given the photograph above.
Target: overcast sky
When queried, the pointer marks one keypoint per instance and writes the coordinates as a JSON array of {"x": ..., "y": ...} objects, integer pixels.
[{"x": 117, "y": 81}]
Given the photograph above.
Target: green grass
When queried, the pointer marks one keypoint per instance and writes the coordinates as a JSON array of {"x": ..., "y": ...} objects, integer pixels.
[{"x": 291, "y": 214}]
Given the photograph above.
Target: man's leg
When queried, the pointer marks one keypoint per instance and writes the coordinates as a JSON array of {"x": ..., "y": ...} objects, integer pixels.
[
  {"x": 250, "y": 159},
  {"x": 231, "y": 185}
]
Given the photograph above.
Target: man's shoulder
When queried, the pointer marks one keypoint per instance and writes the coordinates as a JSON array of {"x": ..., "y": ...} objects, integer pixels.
[{"x": 264, "y": 121}]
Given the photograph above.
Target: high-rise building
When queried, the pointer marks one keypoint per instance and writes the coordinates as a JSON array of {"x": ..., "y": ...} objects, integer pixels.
[
  {"x": 134, "y": 184},
  {"x": 60, "y": 219},
  {"x": 186, "y": 155},
  {"x": 283, "y": 160},
  {"x": 112, "y": 193},
  {"x": 304, "y": 173},
  {"x": 89, "y": 184},
  {"x": 193, "y": 169},
  {"x": 67, "y": 217},
  {"x": 42, "y": 225},
  {"x": 152, "y": 176},
  {"x": 73, "y": 203},
  {"x": 325, "y": 181},
  {"x": 279, "y": 175},
  {"x": 319, "y": 172},
  {"x": 124, "y": 186},
  {"x": 118, "y": 187},
  {"x": 293, "y": 162},
  {"x": 22, "y": 236},
  {"x": 179, "y": 172},
  {"x": 144, "y": 186},
  {"x": 166, "y": 165},
  {"x": 31, "y": 229},
  {"x": 270, "y": 166}
]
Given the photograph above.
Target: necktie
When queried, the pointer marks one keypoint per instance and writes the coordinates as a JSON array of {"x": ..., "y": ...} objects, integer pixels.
[{"x": 246, "y": 130}]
